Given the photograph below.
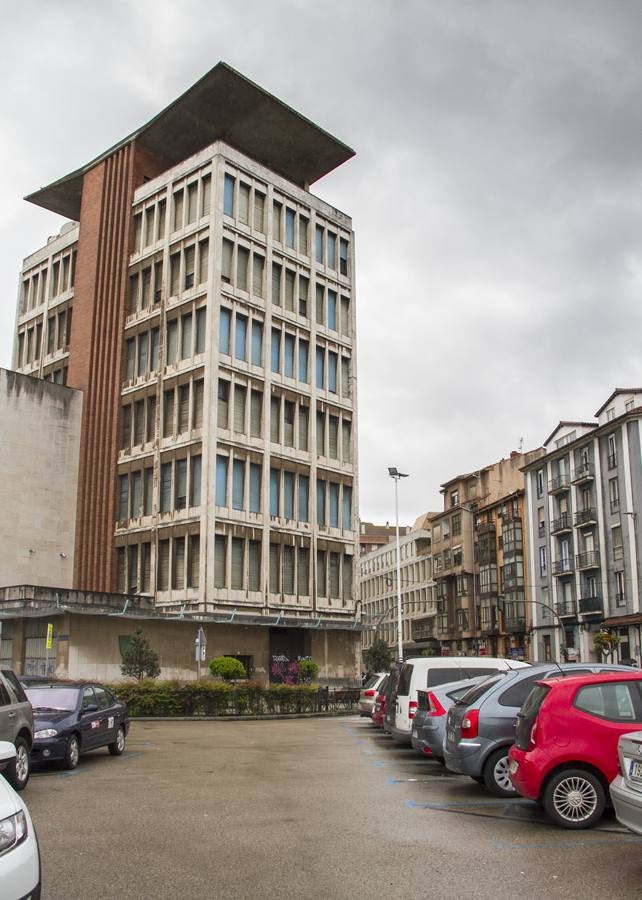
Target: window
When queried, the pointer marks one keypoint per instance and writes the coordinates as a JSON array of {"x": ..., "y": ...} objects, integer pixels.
[
  {"x": 543, "y": 568},
  {"x": 255, "y": 488},
  {"x": 195, "y": 481},
  {"x": 226, "y": 261},
  {"x": 289, "y": 228},
  {"x": 343, "y": 256},
  {"x": 288, "y": 423},
  {"x": 275, "y": 420},
  {"x": 288, "y": 495},
  {"x": 620, "y": 598},
  {"x": 347, "y": 507},
  {"x": 166, "y": 487},
  {"x": 320, "y": 367},
  {"x": 242, "y": 262},
  {"x": 614, "y": 494},
  {"x": 303, "y": 427},
  {"x": 610, "y": 414},
  {"x": 201, "y": 319},
  {"x": 221, "y": 481},
  {"x": 276, "y": 350},
  {"x": 332, "y": 250},
  {"x": 240, "y": 337},
  {"x": 223, "y": 414},
  {"x": 318, "y": 243},
  {"x": 276, "y": 284},
  {"x": 332, "y": 310},
  {"x": 320, "y": 502},
  {"x": 168, "y": 413},
  {"x": 615, "y": 701},
  {"x": 257, "y": 343},
  {"x": 612, "y": 451},
  {"x": 303, "y": 360},
  {"x": 224, "y": 331},
  {"x": 254, "y": 565},
  {"x": 539, "y": 478},
  {"x": 162, "y": 578},
  {"x": 244, "y": 203},
  {"x": 334, "y": 505},
  {"x": 180, "y": 484},
  {"x": 228, "y": 196},
  {"x": 186, "y": 336},
  {"x": 240, "y": 395},
  {"x": 288, "y": 355},
  {"x": 238, "y": 484},
  {"x": 220, "y": 547},
  {"x": 256, "y": 413},
  {"x": 616, "y": 537},
  {"x": 275, "y": 492},
  {"x": 238, "y": 559},
  {"x": 304, "y": 498},
  {"x": 172, "y": 342}
]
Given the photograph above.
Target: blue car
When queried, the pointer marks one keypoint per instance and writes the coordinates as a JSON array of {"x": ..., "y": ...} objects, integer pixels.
[{"x": 71, "y": 718}]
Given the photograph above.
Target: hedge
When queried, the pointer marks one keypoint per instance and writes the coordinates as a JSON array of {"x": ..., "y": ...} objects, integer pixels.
[{"x": 212, "y": 698}]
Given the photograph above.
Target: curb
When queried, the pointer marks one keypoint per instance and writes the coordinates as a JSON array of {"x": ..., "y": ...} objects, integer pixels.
[{"x": 266, "y": 717}]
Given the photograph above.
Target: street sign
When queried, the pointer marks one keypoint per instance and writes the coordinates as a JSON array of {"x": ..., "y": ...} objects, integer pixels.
[
  {"x": 49, "y": 636},
  {"x": 200, "y": 646}
]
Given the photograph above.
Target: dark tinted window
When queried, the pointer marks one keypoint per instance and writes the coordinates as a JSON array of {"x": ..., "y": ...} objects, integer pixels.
[
  {"x": 619, "y": 701},
  {"x": 459, "y": 692},
  {"x": 15, "y": 686},
  {"x": 438, "y": 676},
  {"x": 403, "y": 688},
  {"x": 88, "y": 696},
  {"x": 516, "y": 694},
  {"x": 103, "y": 699},
  {"x": 5, "y": 699},
  {"x": 474, "y": 693},
  {"x": 528, "y": 714}
]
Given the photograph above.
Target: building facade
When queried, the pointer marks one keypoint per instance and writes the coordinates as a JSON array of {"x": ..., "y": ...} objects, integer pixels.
[
  {"x": 583, "y": 502},
  {"x": 202, "y": 300},
  {"x": 479, "y": 562},
  {"x": 378, "y": 592}
]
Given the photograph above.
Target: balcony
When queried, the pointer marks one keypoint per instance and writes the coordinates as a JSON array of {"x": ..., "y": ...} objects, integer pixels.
[
  {"x": 422, "y": 630},
  {"x": 565, "y": 608},
  {"x": 442, "y": 625},
  {"x": 586, "y": 516},
  {"x": 562, "y": 566},
  {"x": 590, "y": 605},
  {"x": 588, "y": 560},
  {"x": 487, "y": 527},
  {"x": 582, "y": 473},
  {"x": 558, "y": 484},
  {"x": 562, "y": 523},
  {"x": 514, "y": 626}
]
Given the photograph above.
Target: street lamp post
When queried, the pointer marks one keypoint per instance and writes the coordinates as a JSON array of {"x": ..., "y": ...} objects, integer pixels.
[{"x": 396, "y": 475}]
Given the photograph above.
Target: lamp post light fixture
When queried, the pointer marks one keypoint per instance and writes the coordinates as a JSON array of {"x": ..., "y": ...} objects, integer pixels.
[{"x": 395, "y": 474}]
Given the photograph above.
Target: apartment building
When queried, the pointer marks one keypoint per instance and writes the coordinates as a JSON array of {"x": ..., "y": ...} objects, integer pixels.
[
  {"x": 479, "y": 562},
  {"x": 378, "y": 591},
  {"x": 202, "y": 299},
  {"x": 371, "y": 536},
  {"x": 583, "y": 501}
]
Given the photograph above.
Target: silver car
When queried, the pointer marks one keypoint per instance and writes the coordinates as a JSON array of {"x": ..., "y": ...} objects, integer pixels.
[
  {"x": 368, "y": 693},
  {"x": 626, "y": 789},
  {"x": 16, "y": 726},
  {"x": 429, "y": 725},
  {"x": 480, "y": 727}
]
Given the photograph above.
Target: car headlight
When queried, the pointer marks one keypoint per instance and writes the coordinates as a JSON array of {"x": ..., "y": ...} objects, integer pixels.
[
  {"x": 13, "y": 831},
  {"x": 46, "y": 732}
]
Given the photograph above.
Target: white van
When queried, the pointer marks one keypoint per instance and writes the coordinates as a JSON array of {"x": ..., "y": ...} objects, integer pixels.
[{"x": 428, "y": 671}]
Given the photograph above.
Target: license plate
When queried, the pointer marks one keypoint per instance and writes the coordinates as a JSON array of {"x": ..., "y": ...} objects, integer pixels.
[
  {"x": 636, "y": 769},
  {"x": 451, "y": 735}
]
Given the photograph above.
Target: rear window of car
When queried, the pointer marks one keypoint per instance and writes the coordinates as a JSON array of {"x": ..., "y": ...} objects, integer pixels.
[
  {"x": 436, "y": 675},
  {"x": 474, "y": 693},
  {"x": 15, "y": 685},
  {"x": 370, "y": 682},
  {"x": 619, "y": 701}
]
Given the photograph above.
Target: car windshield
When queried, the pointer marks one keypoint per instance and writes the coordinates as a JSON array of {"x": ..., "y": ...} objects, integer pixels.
[
  {"x": 53, "y": 699},
  {"x": 474, "y": 693}
]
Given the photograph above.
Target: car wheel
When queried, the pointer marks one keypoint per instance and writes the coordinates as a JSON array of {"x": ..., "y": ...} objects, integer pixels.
[
  {"x": 72, "y": 754},
  {"x": 574, "y": 798},
  {"x": 496, "y": 776},
  {"x": 17, "y": 772},
  {"x": 119, "y": 744}
]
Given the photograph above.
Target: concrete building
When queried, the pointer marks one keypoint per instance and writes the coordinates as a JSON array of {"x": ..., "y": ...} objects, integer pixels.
[
  {"x": 378, "y": 591},
  {"x": 202, "y": 300},
  {"x": 479, "y": 562},
  {"x": 372, "y": 537},
  {"x": 584, "y": 498}
]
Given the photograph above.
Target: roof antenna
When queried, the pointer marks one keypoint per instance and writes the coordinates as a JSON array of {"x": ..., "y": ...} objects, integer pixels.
[{"x": 521, "y": 445}]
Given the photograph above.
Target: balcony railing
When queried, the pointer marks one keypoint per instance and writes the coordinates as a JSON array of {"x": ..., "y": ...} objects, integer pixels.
[
  {"x": 590, "y": 604},
  {"x": 486, "y": 527},
  {"x": 423, "y": 630},
  {"x": 562, "y": 523},
  {"x": 562, "y": 566},
  {"x": 559, "y": 483},
  {"x": 583, "y": 472},
  {"x": 588, "y": 560},
  {"x": 514, "y": 626},
  {"x": 565, "y": 608},
  {"x": 586, "y": 516}
]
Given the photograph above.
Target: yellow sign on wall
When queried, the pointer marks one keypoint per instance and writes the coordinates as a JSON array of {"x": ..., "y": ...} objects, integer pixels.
[{"x": 49, "y": 636}]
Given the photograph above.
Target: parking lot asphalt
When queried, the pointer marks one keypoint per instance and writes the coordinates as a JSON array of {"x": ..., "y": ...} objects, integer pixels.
[{"x": 314, "y": 808}]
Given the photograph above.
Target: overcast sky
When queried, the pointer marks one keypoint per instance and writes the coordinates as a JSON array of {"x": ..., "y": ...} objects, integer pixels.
[{"x": 494, "y": 193}]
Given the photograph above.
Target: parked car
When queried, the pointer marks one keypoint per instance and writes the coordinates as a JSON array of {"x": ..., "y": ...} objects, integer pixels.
[
  {"x": 481, "y": 724},
  {"x": 368, "y": 693},
  {"x": 71, "y": 718},
  {"x": 565, "y": 752},
  {"x": 626, "y": 788},
  {"x": 379, "y": 708},
  {"x": 19, "y": 854},
  {"x": 16, "y": 726},
  {"x": 429, "y": 671},
  {"x": 429, "y": 723},
  {"x": 391, "y": 691}
]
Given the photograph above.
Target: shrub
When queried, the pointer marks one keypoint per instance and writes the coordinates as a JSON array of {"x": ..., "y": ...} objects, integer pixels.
[
  {"x": 308, "y": 670},
  {"x": 139, "y": 660},
  {"x": 228, "y": 667}
]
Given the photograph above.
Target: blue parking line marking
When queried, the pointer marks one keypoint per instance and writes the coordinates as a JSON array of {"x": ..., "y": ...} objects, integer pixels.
[{"x": 463, "y": 804}]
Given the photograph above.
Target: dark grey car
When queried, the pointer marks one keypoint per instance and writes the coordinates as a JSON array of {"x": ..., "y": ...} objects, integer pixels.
[
  {"x": 480, "y": 727},
  {"x": 16, "y": 725}
]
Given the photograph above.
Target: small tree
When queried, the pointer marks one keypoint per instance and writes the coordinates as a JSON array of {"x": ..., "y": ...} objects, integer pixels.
[
  {"x": 308, "y": 671},
  {"x": 139, "y": 660},
  {"x": 228, "y": 667},
  {"x": 605, "y": 642},
  {"x": 378, "y": 658}
]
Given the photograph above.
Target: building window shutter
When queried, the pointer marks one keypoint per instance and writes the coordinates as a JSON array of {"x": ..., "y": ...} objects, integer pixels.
[
  {"x": 139, "y": 422},
  {"x": 257, "y": 344},
  {"x": 303, "y": 235},
  {"x": 195, "y": 481},
  {"x": 303, "y": 572},
  {"x": 189, "y": 262},
  {"x": 345, "y": 316},
  {"x": 219, "y": 561},
  {"x": 288, "y": 423},
  {"x": 259, "y": 211},
  {"x": 192, "y": 196},
  {"x": 254, "y": 566},
  {"x": 333, "y": 437},
  {"x": 127, "y": 428},
  {"x": 163, "y": 565},
  {"x": 183, "y": 408},
  {"x": 258, "y": 274},
  {"x": 149, "y": 491},
  {"x": 146, "y": 567},
  {"x": 123, "y": 498},
  {"x": 334, "y": 575},
  {"x": 172, "y": 342},
  {"x": 186, "y": 336},
  {"x": 277, "y": 210},
  {"x": 203, "y": 261},
  {"x": 320, "y": 434},
  {"x": 275, "y": 485},
  {"x": 194, "y": 560},
  {"x": 288, "y": 569},
  {"x": 240, "y": 343},
  {"x": 345, "y": 376},
  {"x": 239, "y": 408},
  {"x": 197, "y": 419},
  {"x": 242, "y": 262},
  {"x": 221, "y": 480},
  {"x": 320, "y": 502},
  {"x": 180, "y": 484},
  {"x": 321, "y": 575},
  {"x": 276, "y": 350},
  {"x": 304, "y": 498},
  {"x": 346, "y": 429},
  {"x": 256, "y": 413},
  {"x": 288, "y": 495},
  {"x": 347, "y": 507},
  {"x": 255, "y": 487},
  {"x": 347, "y": 579},
  {"x": 276, "y": 284},
  {"x": 320, "y": 303},
  {"x": 174, "y": 274},
  {"x": 226, "y": 261},
  {"x": 289, "y": 290},
  {"x": 238, "y": 555},
  {"x": 154, "y": 349},
  {"x": 303, "y": 427},
  {"x": 166, "y": 487},
  {"x": 206, "y": 194},
  {"x": 274, "y": 569},
  {"x": 320, "y": 368},
  {"x": 275, "y": 420},
  {"x": 178, "y": 570},
  {"x": 223, "y": 413},
  {"x": 238, "y": 484}
]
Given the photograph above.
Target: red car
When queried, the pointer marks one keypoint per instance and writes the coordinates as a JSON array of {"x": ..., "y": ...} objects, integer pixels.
[
  {"x": 379, "y": 710},
  {"x": 565, "y": 753}
]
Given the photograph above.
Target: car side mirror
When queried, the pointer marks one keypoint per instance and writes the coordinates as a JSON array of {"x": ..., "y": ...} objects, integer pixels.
[
  {"x": 7, "y": 751},
  {"x": 91, "y": 707}
]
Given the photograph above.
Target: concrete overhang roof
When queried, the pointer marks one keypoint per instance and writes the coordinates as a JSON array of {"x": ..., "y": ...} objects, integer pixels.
[{"x": 222, "y": 105}]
